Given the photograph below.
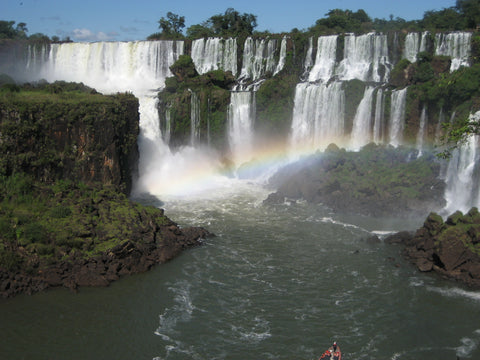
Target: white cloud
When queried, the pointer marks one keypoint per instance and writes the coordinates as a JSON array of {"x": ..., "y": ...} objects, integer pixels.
[{"x": 88, "y": 35}]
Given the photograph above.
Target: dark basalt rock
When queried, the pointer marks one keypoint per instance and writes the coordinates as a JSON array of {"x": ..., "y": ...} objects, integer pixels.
[
  {"x": 126, "y": 258},
  {"x": 448, "y": 248}
]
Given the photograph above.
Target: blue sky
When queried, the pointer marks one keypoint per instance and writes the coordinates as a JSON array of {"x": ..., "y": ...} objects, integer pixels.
[{"x": 122, "y": 20}]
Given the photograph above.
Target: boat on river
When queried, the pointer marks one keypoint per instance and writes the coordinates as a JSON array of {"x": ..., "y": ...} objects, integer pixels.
[{"x": 332, "y": 353}]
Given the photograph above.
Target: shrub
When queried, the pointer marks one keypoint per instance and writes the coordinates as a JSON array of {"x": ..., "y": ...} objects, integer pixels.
[{"x": 60, "y": 212}]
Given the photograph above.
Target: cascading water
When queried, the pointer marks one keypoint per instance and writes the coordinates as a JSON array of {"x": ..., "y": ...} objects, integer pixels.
[
  {"x": 397, "y": 116},
  {"x": 378, "y": 127},
  {"x": 194, "y": 118},
  {"x": 421, "y": 130},
  {"x": 282, "y": 56},
  {"x": 307, "y": 66},
  {"x": 325, "y": 59},
  {"x": 412, "y": 44},
  {"x": 240, "y": 122},
  {"x": 259, "y": 58},
  {"x": 463, "y": 175},
  {"x": 456, "y": 45},
  {"x": 215, "y": 54},
  {"x": 318, "y": 116},
  {"x": 415, "y": 43},
  {"x": 364, "y": 57},
  {"x": 362, "y": 123}
]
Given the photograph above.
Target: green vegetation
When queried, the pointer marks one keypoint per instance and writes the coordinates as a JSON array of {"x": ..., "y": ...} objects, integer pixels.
[
  {"x": 212, "y": 91},
  {"x": 63, "y": 174},
  {"x": 9, "y": 31},
  {"x": 171, "y": 27},
  {"x": 41, "y": 223},
  {"x": 274, "y": 105},
  {"x": 66, "y": 131},
  {"x": 459, "y": 226}
]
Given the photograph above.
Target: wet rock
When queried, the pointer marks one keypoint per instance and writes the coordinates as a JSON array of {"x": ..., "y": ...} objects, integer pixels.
[{"x": 448, "y": 248}]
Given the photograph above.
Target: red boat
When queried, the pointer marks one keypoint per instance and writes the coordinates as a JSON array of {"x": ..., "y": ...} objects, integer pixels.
[{"x": 332, "y": 353}]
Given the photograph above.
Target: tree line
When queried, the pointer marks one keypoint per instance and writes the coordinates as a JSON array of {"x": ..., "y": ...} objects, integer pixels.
[{"x": 465, "y": 15}]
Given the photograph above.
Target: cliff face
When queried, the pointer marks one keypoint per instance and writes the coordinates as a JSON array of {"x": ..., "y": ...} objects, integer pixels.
[
  {"x": 65, "y": 153},
  {"x": 61, "y": 135}
]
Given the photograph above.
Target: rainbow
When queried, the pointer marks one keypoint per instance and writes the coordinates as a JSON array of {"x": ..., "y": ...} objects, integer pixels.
[{"x": 202, "y": 172}]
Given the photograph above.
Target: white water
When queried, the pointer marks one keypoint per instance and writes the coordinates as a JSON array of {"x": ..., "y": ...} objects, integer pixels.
[
  {"x": 282, "y": 56},
  {"x": 456, "y": 45},
  {"x": 397, "y": 116},
  {"x": 215, "y": 54},
  {"x": 259, "y": 58},
  {"x": 318, "y": 116},
  {"x": 462, "y": 176},
  {"x": 194, "y": 119},
  {"x": 421, "y": 130},
  {"x": 362, "y": 123},
  {"x": 240, "y": 122},
  {"x": 414, "y": 43},
  {"x": 325, "y": 59},
  {"x": 378, "y": 126},
  {"x": 364, "y": 57}
]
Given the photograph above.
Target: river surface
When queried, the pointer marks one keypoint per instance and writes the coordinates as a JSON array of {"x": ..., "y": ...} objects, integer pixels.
[{"x": 277, "y": 282}]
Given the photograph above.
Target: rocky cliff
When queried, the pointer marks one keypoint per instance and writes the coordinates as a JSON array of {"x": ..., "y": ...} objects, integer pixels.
[
  {"x": 68, "y": 131},
  {"x": 68, "y": 157},
  {"x": 450, "y": 248}
]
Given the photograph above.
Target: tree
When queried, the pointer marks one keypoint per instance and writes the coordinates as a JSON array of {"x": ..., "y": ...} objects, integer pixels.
[
  {"x": 232, "y": 23},
  {"x": 446, "y": 19},
  {"x": 339, "y": 20},
  {"x": 199, "y": 31},
  {"x": 470, "y": 11},
  {"x": 172, "y": 26}
]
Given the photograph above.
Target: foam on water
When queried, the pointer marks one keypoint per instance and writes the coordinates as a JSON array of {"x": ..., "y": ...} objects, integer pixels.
[{"x": 456, "y": 293}]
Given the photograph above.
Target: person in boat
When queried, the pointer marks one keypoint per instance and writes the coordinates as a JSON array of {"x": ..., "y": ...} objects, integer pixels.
[{"x": 334, "y": 346}]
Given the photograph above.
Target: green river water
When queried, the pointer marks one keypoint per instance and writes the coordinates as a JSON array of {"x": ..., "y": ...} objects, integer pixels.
[{"x": 278, "y": 282}]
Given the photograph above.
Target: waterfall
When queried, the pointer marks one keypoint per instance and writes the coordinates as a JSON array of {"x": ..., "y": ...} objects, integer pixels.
[
  {"x": 109, "y": 67},
  {"x": 412, "y": 44},
  {"x": 325, "y": 59},
  {"x": 462, "y": 177},
  {"x": 240, "y": 123},
  {"x": 397, "y": 116},
  {"x": 140, "y": 67},
  {"x": 364, "y": 58},
  {"x": 456, "y": 45},
  {"x": 421, "y": 130},
  {"x": 283, "y": 55},
  {"x": 318, "y": 115},
  {"x": 258, "y": 58},
  {"x": 415, "y": 44},
  {"x": 362, "y": 123},
  {"x": 194, "y": 118},
  {"x": 215, "y": 54},
  {"x": 307, "y": 66},
  {"x": 378, "y": 127}
]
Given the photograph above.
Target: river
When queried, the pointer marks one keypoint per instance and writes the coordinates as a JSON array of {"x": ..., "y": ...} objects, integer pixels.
[{"x": 276, "y": 282}]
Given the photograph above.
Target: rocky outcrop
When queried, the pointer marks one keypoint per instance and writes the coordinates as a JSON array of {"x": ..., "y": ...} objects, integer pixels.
[
  {"x": 376, "y": 181},
  {"x": 68, "y": 131},
  {"x": 450, "y": 248},
  {"x": 102, "y": 237},
  {"x": 68, "y": 158}
]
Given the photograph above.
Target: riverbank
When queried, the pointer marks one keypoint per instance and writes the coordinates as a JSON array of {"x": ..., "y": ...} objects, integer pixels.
[{"x": 73, "y": 235}]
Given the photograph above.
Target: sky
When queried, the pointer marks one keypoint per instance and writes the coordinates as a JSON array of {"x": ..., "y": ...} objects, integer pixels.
[{"x": 122, "y": 20}]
